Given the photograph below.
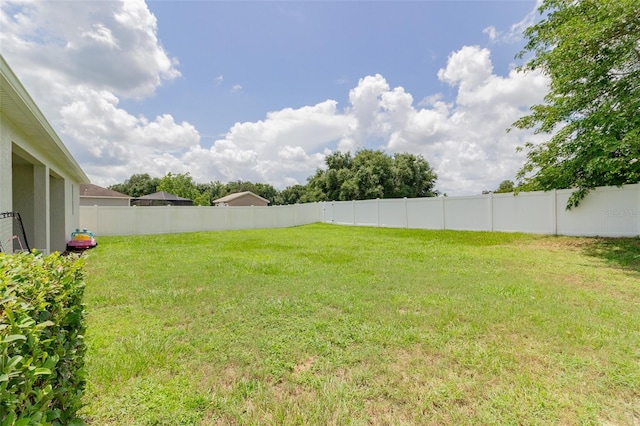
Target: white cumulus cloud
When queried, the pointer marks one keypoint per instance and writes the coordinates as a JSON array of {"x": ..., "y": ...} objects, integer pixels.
[
  {"x": 466, "y": 141},
  {"x": 106, "y": 45},
  {"x": 78, "y": 59}
]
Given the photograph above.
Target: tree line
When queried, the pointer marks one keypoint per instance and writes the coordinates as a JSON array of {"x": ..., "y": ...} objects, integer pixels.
[{"x": 366, "y": 175}]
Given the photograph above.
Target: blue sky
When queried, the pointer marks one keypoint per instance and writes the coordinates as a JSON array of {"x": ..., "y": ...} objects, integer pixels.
[
  {"x": 262, "y": 91},
  {"x": 301, "y": 53}
]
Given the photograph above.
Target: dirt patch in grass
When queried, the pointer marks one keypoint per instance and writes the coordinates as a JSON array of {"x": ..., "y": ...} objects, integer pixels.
[
  {"x": 304, "y": 366},
  {"x": 212, "y": 379},
  {"x": 382, "y": 412}
]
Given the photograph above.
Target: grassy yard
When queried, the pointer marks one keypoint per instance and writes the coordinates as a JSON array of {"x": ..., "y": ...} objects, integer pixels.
[{"x": 339, "y": 325}]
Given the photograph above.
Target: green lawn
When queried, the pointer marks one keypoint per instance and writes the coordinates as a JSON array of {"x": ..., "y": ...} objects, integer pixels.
[{"x": 326, "y": 324}]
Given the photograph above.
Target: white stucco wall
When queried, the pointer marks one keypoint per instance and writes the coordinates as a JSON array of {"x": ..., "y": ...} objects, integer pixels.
[
  {"x": 44, "y": 194},
  {"x": 5, "y": 167}
]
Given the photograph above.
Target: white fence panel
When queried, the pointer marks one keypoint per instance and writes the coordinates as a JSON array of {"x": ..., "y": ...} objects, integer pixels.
[
  {"x": 216, "y": 218},
  {"x": 240, "y": 218},
  {"x": 468, "y": 213},
  {"x": 531, "y": 212},
  {"x": 285, "y": 216},
  {"x": 307, "y": 213},
  {"x": 605, "y": 212},
  {"x": 327, "y": 212},
  {"x": 264, "y": 217},
  {"x": 108, "y": 220},
  {"x": 181, "y": 220},
  {"x": 343, "y": 212},
  {"x": 393, "y": 213},
  {"x": 152, "y": 220},
  {"x": 425, "y": 213},
  {"x": 89, "y": 218},
  {"x": 366, "y": 212}
]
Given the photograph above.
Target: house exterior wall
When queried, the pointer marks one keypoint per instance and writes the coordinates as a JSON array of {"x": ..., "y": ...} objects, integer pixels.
[
  {"x": 6, "y": 181},
  {"x": 25, "y": 187},
  {"x": 5, "y": 169},
  {"x": 104, "y": 201},
  {"x": 246, "y": 201},
  {"x": 23, "y": 184},
  {"x": 38, "y": 176},
  {"x": 57, "y": 213},
  {"x": 5, "y": 164}
]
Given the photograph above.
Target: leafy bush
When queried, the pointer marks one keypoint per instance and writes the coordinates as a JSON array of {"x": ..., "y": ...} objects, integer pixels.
[{"x": 41, "y": 338}]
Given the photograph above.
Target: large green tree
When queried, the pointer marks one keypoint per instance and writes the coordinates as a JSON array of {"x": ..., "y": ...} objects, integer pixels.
[
  {"x": 371, "y": 174},
  {"x": 412, "y": 177},
  {"x": 505, "y": 186},
  {"x": 590, "y": 49},
  {"x": 137, "y": 185},
  {"x": 213, "y": 190},
  {"x": 292, "y": 194},
  {"x": 183, "y": 185}
]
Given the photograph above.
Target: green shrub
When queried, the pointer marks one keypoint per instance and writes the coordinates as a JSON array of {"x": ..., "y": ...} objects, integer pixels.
[{"x": 41, "y": 338}]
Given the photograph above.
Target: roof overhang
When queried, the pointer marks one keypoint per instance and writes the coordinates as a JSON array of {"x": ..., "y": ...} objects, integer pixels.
[{"x": 18, "y": 106}]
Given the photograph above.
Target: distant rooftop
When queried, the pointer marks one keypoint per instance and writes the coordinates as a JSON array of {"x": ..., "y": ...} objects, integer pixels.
[
  {"x": 236, "y": 195},
  {"x": 162, "y": 195},
  {"x": 91, "y": 190}
]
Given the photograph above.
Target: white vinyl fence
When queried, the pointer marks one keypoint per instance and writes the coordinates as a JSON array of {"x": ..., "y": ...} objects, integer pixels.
[
  {"x": 103, "y": 220},
  {"x": 607, "y": 211}
]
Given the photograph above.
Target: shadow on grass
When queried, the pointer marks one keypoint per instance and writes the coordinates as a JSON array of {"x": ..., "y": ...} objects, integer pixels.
[{"x": 620, "y": 252}]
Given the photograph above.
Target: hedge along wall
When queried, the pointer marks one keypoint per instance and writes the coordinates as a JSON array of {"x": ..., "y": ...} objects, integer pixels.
[{"x": 41, "y": 338}]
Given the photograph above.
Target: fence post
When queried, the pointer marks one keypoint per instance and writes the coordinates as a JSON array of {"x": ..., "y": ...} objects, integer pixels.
[
  {"x": 444, "y": 220},
  {"x": 491, "y": 211},
  {"x": 333, "y": 212},
  {"x": 406, "y": 213},
  {"x": 638, "y": 211},
  {"x": 253, "y": 217},
  {"x": 378, "y": 212},
  {"x": 353, "y": 205},
  {"x": 554, "y": 217}
]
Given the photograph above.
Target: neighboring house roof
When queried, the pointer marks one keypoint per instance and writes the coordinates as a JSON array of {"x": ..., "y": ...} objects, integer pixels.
[
  {"x": 20, "y": 108},
  {"x": 91, "y": 190},
  {"x": 161, "y": 195},
  {"x": 237, "y": 195}
]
